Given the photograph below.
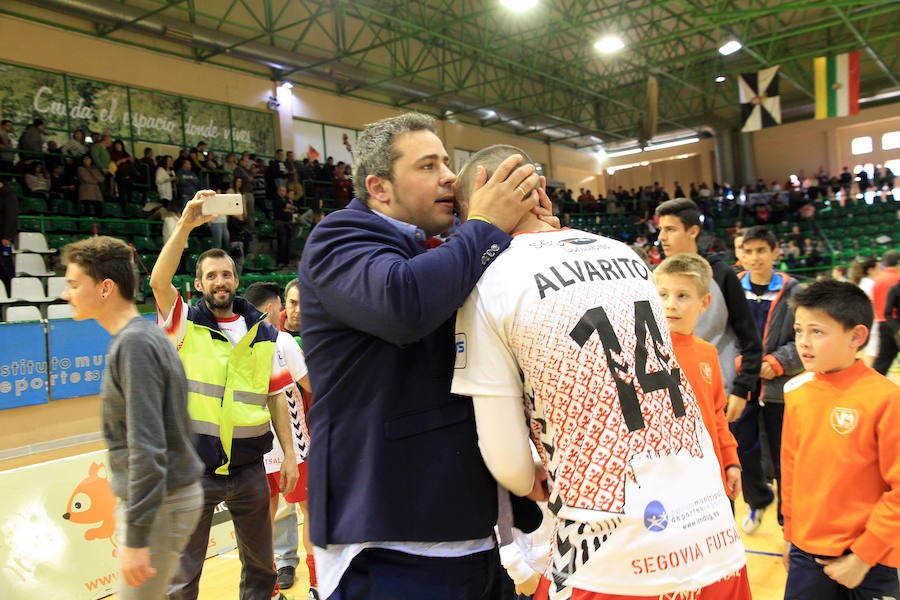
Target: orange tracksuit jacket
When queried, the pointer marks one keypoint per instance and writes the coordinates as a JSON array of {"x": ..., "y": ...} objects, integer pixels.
[
  {"x": 840, "y": 464},
  {"x": 700, "y": 362}
]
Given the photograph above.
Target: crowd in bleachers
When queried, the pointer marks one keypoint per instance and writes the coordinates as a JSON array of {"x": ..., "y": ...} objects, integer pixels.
[
  {"x": 820, "y": 220},
  {"x": 92, "y": 185}
]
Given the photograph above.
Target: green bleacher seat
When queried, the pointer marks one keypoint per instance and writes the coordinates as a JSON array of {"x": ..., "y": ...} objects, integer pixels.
[
  {"x": 112, "y": 210},
  {"x": 148, "y": 260},
  {"x": 33, "y": 206},
  {"x": 62, "y": 207},
  {"x": 265, "y": 231},
  {"x": 143, "y": 243},
  {"x": 261, "y": 262},
  {"x": 31, "y": 223},
  {"x": 58, "y": 240},
  {"x": 133, "y": 211}
]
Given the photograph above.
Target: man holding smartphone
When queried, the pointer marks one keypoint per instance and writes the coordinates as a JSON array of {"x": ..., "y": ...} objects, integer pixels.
[{"x": 236, "y": 375}]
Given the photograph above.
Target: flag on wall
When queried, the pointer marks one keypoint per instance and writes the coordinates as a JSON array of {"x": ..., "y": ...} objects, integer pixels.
[
  {"x": 760, "y": 102},
  {"x": 837, "y": 85}
]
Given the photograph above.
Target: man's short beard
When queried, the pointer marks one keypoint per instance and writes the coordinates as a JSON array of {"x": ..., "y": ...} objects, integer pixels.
[{"x": 214, "y": 304}]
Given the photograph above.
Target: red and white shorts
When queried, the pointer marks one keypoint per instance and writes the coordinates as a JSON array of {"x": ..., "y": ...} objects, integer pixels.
[
  {"x": 735, "y": 586},
  {"x": 299, "y": 493}
]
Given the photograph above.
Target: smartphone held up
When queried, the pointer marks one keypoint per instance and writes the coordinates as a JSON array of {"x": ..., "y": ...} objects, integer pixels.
[{"x": 224, "y": 204}]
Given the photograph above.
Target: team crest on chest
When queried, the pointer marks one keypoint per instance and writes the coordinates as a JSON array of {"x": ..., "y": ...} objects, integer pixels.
[
  {"x": 844, "y": 420},
  {"x": 706, "y": 372}
]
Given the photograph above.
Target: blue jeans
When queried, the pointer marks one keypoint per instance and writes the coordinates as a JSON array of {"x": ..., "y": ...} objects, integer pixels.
[
  {"x": 807, "y": 581},
  {"x": 286, "y": 537},
  {"x": 246, "y": 493},
  {"x": 173, "y": 525},
  {"x": 220, "y": 236},
  {"x": 380, "y": 574}
]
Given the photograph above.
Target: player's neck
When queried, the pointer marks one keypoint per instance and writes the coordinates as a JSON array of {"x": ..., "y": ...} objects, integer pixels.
[{"x": 530, "y": 223}]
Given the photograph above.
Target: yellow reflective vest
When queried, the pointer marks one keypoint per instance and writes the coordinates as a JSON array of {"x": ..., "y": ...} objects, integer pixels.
[{"x": 228, "y": 387}]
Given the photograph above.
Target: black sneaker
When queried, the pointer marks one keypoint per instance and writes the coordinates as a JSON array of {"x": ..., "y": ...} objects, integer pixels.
[
  {"x": 285, "y": 577},
  {"x": 313, "y": 594}
]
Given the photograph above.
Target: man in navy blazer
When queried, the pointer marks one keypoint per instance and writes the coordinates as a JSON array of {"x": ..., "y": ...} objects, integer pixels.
[{"x": 401, "y": 503}]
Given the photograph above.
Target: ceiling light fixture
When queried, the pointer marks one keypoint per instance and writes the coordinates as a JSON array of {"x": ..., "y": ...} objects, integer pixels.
[
  {"x": 608, "y": 44},
  {"x": 672, "y": 144},
  {"x": 519, "y": 5},
  {"x": 729, "y": 47},
  {"x": 286, "y": 85}
]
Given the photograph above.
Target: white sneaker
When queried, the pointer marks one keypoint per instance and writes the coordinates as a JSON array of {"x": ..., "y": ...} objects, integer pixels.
[{"x": 753, "y": 520}]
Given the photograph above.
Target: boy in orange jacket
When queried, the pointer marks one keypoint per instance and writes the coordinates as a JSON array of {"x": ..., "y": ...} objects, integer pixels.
[
  {"x": 840, "y": 455},
  {"x": 683, "y": 282}
]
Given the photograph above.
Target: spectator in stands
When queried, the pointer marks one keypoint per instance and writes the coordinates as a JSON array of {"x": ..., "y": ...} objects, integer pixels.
[
  {"x": 100, "y": 158},
  {"x": 226, "y": 177},
  {"x": 165, "y": 178},
  {"x": 884, "y": 181},
  {"x": 7, "y": 156},
  {"x": 124, "y": 171},
  {"x": 276, "y": 173},
  {"x": 196, "y": 155},
  {"x": 328, "y": 169},
  {"x": 145, "y": 173},
  {"x": 239, "y": 185},
  {"x": 884, "y": 281},
  {"x": 239, "y": 234},
  {"x": 188, "y": 181},
  {"x": 36, "y": 180},
  {"x": 241, "y": 170},
  {"x": 839, "y": 273},
  {"x": 62, "y": 185},
  {"x": 343, "y": 187},
  {"x": 679, "y": 193},
  {"x": 863, "y": 273},
  {"x": 283, "y": 208},
  {"x": 846, "y": 183},
  {"x": 75, "y": 147},
  {"x": 9, "y": 217},
  {"x": 258, "y": 181},
  {"x": 862, "y": 182},
  {"x": 32, "y": 142},
  {"x": 293, "y": 175},
  {"x": 307, "y": 171},
  {"x": 90, "y": 196}
]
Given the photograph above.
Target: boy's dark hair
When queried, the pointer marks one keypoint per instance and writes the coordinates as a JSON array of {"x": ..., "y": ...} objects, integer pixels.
[
  {"x": 103, "y": 257},
  {"x": 891, "y": 258},
  {"x": 260, "y": 293},
  {"x": 840, "y": 300},
  {"x": 759, "y": 232},
  {"x": 684, "y": 208}
]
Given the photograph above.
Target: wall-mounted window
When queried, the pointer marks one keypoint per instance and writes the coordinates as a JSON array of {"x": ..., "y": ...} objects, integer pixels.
[
  {"x": 890, "y": 140},
  {"x": 861, "y": 145}
]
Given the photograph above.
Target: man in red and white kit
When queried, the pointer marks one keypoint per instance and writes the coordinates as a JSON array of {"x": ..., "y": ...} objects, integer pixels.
[
  {"x": 572, "y": 323},
  {"x": 265, "y": 296}
]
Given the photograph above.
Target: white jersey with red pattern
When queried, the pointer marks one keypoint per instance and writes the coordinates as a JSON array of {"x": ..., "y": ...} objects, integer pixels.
[
  {"x": 295, "y": 364},
  {"x": 572, "y": 322}
]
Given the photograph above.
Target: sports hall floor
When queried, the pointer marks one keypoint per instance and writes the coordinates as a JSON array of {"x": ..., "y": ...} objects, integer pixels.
[{"x": 221, "y": 574}]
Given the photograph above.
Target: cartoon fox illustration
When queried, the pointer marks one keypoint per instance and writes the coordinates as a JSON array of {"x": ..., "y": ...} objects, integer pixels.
[{"x": 93, "y": 502}]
